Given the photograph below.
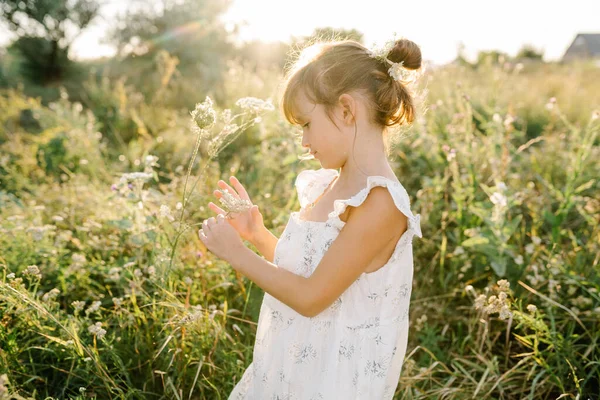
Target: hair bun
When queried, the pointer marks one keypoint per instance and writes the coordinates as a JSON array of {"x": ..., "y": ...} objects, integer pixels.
[{"x": 407, "y": 51}]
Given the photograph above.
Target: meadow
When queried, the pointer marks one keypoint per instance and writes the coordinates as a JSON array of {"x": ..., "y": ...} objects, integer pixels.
[{"x": 106, "y": 292}]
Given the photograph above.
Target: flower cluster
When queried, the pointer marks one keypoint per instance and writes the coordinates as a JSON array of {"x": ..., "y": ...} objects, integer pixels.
[
  {"x": 254, "y": 105},
  {"x": 97, "y": 330},
  {"x": 204, "y": 116},
  {"x": 233, "y": 204},
  {"x": 495, "y": 303}
]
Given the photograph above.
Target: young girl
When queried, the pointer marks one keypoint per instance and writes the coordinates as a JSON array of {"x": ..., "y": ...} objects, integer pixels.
[{"x": 333, "y": 323}]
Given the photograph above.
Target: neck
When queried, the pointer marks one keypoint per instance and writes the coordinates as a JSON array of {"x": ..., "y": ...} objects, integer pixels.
[{"x": 365, "y": 157}]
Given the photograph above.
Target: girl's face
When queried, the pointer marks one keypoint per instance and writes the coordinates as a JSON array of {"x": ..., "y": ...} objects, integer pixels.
[{"x": 319, "y": 134}]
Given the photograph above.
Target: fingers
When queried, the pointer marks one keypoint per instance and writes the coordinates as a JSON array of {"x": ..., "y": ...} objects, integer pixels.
[
  {"x": 216, "y": 208},
  {"x": 241, "y": 192},
  {"x": 238, "y": 186}
]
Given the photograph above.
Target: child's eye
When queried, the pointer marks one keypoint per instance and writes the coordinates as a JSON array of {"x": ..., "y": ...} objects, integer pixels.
[{"x": 306, "y": 125}]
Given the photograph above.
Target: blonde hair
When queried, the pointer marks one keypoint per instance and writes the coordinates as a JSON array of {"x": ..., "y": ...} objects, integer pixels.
[{"x": 326, "y": 70}]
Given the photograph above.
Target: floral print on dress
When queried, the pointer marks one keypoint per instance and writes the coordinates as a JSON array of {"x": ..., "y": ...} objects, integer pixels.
[{"x": 360, "y": 338}]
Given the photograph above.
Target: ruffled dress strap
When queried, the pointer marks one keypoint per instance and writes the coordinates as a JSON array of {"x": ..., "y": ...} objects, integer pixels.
[
  {"x": 310, "y": 183},
  {"x": 399, "y": 194}
]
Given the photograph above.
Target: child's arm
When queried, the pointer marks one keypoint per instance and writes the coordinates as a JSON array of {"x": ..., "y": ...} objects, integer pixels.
[{"x": 265, "y": 242}]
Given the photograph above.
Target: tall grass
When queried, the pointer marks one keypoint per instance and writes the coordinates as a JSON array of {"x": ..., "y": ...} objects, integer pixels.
[{"x": 106, "y": 291}]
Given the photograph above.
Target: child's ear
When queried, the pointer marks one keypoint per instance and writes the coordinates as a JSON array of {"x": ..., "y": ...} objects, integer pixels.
[{"x": 348, "y": 105}]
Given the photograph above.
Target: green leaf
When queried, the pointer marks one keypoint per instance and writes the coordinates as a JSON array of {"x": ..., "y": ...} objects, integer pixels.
[{"x": 474, "y": 241}]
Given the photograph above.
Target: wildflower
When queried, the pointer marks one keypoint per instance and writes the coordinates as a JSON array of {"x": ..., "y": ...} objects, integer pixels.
[
  {"x": 501, "y": 186},
  {"x": 254, "y": 105},
  {"x": 595, "y": 115},
  {"x": 82, "y": 390},
  {"x": 187, "y": 280},
  {"x": 529, "y": 248},
  {"x": 78, "y": 305},
  {"x": 34, "y": 271},
  {"x": 504, "y": 312},
  {"x": 165, "y": 212},
  {"x": 519, "y": 259},
  {"x": 531, "y": 308},
  {"x": 11, "y": 275},
  {"x": 498, "y": 199},
  {"x": 94, "y": 307},
  {"x": 203, "y": 116},
  {"x": 51, "y": 295},
  {"x": 536, "y": 240},
  {"x": 497, "y": 118},
  {"x": 151, "y": 161},
  {"x": 78, "y": 258},
  {"x": 480, "y": 301},
  {"x": 503, "y": 285},
  {"x": 117, "y": 301},
  {"x": 136, "y": 176},
  {"x": 233, "y": 204},
  {"x": 551, "y": 103},
  {"x": 151, "y": 270},
  {"x": 469, "y": 288},
  {"x": 97, "y": 330},
  {"x": 138, "y": 273}
]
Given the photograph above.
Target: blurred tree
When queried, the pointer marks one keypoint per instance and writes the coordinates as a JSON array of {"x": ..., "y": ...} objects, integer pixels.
[
  {"x": 46, "y": 29},
  {"x": 530, "y": 53},
  {"x": 190, "y": 30}
]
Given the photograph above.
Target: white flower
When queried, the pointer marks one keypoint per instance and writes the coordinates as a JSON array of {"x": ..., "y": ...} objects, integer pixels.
[
  {"x": 97, "y": 330},
  {"x": 254, "y": 105},
  {"x": 519, "y": 259},
  {"x": 501, "y": 186},
  {"x": 498, "y": 199},
  {"x": 51, "y": 295},
  {"x": 529, "y": 248},
  {"x": 536, "y": 240},
  {"x": 78, "y": 305},
  {"x": 11, "y": 275},
  {"x": 33, "y": 270},
  {"x": 503, "y": 284},
  {"x": 136, "y": 176},
  {"x": 204, "y": 116},
  {"x": 94, "y": 307},
  {"x": 531, "y": 308},
  {"x": 469, "y": 288}
]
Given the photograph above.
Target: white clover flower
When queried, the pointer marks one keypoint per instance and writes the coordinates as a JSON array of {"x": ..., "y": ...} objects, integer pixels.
[
  {"x": 97, "y": 330},
  {"x": 499, "y": 199},
  {"x": 254, "y": 105},
  {"x": 531, "y": 308},
  {"x": 203, "y": 116}
]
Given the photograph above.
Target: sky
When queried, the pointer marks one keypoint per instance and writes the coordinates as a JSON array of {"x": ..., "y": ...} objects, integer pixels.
[{"x": 437, "y": 26}]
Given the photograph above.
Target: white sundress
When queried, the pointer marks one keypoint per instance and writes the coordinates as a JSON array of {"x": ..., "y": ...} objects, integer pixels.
[{"x": 356, "y": 347}]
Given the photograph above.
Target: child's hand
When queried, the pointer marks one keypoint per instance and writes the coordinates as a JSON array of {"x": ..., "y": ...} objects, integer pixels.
[
  {"x": 220, "y": 238},
  {"x": 246, "y": 223}
]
